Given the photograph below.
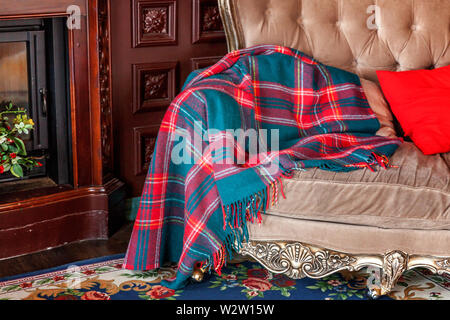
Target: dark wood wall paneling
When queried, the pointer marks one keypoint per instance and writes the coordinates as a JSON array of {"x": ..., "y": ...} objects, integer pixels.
[{"x": 155, "y": 45}]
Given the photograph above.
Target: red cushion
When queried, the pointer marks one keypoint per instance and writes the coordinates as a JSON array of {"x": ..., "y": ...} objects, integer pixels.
[{"x": 420, "y": 99}]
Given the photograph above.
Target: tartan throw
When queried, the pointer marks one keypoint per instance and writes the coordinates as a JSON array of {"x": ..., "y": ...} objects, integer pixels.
[{"x": 196, "y": 213}]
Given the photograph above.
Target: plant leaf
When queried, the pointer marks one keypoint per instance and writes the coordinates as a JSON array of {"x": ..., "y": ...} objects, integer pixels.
[
  {"x": 12, "y": 149},
  {"x": 21, "y": 146},
  {"x": 17, "y": 171}
]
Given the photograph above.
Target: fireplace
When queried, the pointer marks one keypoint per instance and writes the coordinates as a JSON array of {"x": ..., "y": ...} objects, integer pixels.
[
  {"x": 33, "y": 76},
  {"x": 62, "y": 76}
]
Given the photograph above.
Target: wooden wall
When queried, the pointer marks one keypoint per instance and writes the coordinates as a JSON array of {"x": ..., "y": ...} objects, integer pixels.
[{"x": 155, "y": 44}]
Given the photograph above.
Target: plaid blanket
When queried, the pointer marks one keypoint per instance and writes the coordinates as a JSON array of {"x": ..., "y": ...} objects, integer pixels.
[{"x": 207, "y": 179}]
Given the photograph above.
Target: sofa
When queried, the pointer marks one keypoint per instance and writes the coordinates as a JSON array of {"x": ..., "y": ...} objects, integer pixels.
[{"x": 395, "y": 219}]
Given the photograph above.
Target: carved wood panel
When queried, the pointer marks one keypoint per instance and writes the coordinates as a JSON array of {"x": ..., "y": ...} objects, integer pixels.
[
  {"x": 206, "y": 22},
  {"x": 154, "y": 23},
  {"x": 153, "y": 85},
  {"x": 144, "y": 144},
  {"x": 152, "y": 55}
]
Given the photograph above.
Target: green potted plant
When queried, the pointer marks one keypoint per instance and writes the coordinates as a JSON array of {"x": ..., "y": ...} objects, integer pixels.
[{"x": 13, "y": 154}]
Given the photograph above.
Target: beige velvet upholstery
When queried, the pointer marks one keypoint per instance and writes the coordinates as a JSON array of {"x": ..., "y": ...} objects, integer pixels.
[
  {"x": 446, "y": 157},
  {"x": 404, "y": 209},
  {"x": 408, "y": 34},
  {"x": 416, "y": 195}
]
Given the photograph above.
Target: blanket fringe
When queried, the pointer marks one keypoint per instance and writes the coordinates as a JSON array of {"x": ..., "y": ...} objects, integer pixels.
[
  {"x": 251, "y": 208},
  {"x": 232, "y": 242},
  {"x": 237, "y": 214},
  {"x": 374, "y": 159}
]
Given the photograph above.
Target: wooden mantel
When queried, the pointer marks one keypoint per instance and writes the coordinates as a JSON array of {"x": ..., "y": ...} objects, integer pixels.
[
  {"x": 32, "y": 8},
  {"x": 62, "y": 215}
]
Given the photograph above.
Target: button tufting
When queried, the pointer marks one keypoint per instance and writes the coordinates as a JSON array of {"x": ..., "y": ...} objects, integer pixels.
[{"x": 363, "y": 40}]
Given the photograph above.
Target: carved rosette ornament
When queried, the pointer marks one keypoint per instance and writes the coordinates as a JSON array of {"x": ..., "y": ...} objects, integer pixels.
[
  {"x": 297, "y": 260},
  {"x": 154, "y": 20}
]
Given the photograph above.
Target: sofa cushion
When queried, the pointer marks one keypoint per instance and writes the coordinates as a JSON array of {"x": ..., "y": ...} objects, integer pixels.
[
  {"x": 380, "y": 107},
  {"x": 416, "y": 195},
  {"x": 420, "y": 101}
]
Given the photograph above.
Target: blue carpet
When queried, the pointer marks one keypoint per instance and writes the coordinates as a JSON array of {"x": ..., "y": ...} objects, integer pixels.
[{"x": 103, "y": 279}]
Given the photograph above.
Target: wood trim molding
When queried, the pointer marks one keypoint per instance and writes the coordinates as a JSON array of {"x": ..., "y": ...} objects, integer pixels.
[
  {"x": 203, "y": 62},
  {"x": 38, "y": 8},
  {"x": 95, "y": 39},
  {"x": 49, "y": 221},
  {"x": 52, "y": 198},
  {"x": 85, "y": 101}
]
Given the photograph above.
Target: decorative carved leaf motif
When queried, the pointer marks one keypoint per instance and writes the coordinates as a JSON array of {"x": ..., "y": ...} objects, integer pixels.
[
  {"x": 211, "y": 18},
  {"x": 105, "y": 85},
  {"x": 444, "y": 264},
  {"x": 296, "y": 260},
  {"x": 155, "y": 86},
  {"x": 395, "y": 263},
  {"x": 155, "y": 20}
]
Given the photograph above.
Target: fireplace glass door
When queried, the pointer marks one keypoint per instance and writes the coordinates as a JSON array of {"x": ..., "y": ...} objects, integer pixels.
[
  {"x": 14, "y": 73},
  {"x": 23, "y": 83}
]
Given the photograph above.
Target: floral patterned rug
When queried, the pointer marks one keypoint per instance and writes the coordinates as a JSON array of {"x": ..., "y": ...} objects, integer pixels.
[{"x": 103, "y": 279}]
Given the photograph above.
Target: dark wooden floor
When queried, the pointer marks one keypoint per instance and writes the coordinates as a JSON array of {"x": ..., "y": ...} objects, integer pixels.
[{"x": 67, "y": 254}]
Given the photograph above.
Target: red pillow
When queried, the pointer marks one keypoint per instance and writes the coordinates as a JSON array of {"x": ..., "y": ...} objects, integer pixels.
[{"x": 420, "y": 99}]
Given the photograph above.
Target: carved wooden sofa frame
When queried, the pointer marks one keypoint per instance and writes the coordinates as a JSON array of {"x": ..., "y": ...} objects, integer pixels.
[{"x": 297, "y": 260}]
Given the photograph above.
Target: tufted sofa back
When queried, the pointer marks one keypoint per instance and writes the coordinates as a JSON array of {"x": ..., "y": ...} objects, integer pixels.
[{"x": 360, "y": 36}]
